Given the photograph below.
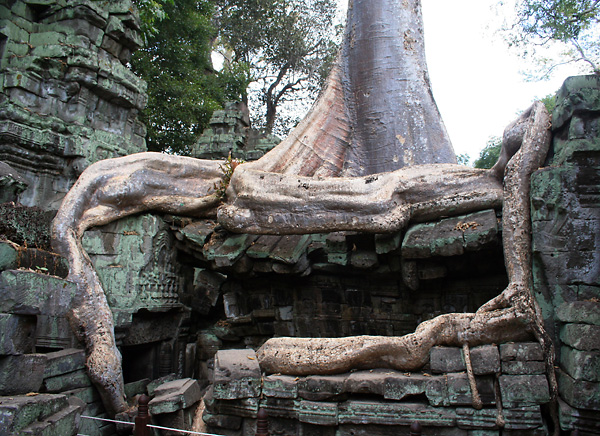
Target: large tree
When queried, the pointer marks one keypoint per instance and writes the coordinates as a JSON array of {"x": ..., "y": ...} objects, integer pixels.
[
  {"x": 371, "y": 156},
  {"x": 570, "y": 27}
]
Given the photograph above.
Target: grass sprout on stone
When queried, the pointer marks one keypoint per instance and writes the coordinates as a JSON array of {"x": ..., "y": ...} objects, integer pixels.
[{"x": 228, "y": 168}]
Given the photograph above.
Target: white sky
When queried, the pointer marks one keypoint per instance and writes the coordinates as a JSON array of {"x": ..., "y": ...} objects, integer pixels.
[{"x": 477, "y": 83}]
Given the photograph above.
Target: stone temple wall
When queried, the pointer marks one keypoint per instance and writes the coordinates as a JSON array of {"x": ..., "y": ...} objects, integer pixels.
[
  {"x": 67, "y": 98},
  {"x": 566, "y": 235}
]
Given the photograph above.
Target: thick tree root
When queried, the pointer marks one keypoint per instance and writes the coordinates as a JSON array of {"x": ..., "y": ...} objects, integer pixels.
[
  {"x": 107, "y": 191},
  {"x": 266, "y": 202}
]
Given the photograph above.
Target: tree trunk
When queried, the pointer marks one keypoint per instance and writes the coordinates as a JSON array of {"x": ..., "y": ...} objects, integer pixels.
[{"x": 377, "y": 113}]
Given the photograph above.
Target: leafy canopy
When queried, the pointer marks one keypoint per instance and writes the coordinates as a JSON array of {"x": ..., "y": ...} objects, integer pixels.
[
  {"x": 571, "y": 25},
  {"x": 183, "y": 88}
]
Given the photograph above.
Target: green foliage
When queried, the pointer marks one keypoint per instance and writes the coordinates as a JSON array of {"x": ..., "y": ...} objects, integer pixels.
[
  {"x": 490, "y": 153},
  {"x": 183, "y": 88},
  {"x": 572, "y": 24},
  {"x": 463, "y": 159},
  {"x": 289, "y": 46},
  {"x": 151, "y": 12}
]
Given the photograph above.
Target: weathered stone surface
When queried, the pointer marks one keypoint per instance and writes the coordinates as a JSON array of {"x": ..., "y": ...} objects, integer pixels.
[
  {"x": 17, "y": 334},
  {"x": 237, "y": 375},
  {"x": 64, "y": 361},
  {"x": 18, "y": 412},
  {"x": 581, "y": 336},
  {"x": 321, "y": 413},
  {"x": 280, "y": 386},
  {"x": 67, "y": 381},
  {"x": 446, "y": 359},
  {"x": 523, "y": 390},
  {"x": 21, "y": 374},
  {"x": 585, "y": 312},
  {"x": 581, "y": 365},
  {"x": 519, "y": 367},
  {"x": 521, "y": 351},
  {"x": 518, "y": 419},
  {"x": 458, "y": 391},
  {"x": 451, "y": 236},
  {"x": 13, "y": 256},
  {"x": 321, "y": 387},
  {"x": 368, "y": 412},
  {"x": 68, "y": 99},
  {"x": 136, "y": 261},
  {"x": 399, "y": 386},
  {"x": 11, "y": 183},
  {"x": 64, "y": 422},
  {"x": 175, "y": 395},
  {"x": 30, "y": 293},
  {"x": 223, "y": 421},
  {"x": 580, "y": 394}
]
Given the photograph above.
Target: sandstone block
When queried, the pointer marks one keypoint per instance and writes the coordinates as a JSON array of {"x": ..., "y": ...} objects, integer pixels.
[
  {"x": 581, "y": 336},
  {"x": 175, "y": 395},
  {"x": 237, "y": 375},
  {"x": 321, "y": 387},
  {"x": 280, "y": 386},
  {"x": 397, "y": 413},
  {"x": 18, "y": 412},
  {"x": 523, "y": 390},
  {"x": 17, "y": 334},
  {"x": 459, "y": 390},
  {"x": 584, "y": 312},
  {"x": 64, "y": 361},
  {"x": 318, "y": 412},
  {"x": 446, "y": 359},
  {"x": 451, "y": 236},
  {"x": 66, "y": 382},
  {"x": 580, "y": 394},
  {"x": 523, "y": 351},
  {"x": 21, "y": 374},
  {"x": 398, "y": 386},
  {"x": 64, "y": 422},
  {"x": 520, "y": 367},
  {"x": 30, "y": 293},
  {"x": 581, "y": 365}
]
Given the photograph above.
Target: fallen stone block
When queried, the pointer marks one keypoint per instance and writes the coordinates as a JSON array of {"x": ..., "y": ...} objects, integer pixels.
[
  {"x": 236, "y": 375},
  {"x": 175, "y": 395},
  {"x": 17, "y": 334},
  {"x": 21, "y": 374}
]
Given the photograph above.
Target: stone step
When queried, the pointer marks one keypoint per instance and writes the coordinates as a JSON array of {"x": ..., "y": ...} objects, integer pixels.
[
  {"x": 65, "y": 422},
  {"x": 19, "y": 412}
]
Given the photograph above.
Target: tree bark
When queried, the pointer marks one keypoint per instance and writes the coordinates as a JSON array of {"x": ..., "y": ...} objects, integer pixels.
[{"x": 377, "y": 113}]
